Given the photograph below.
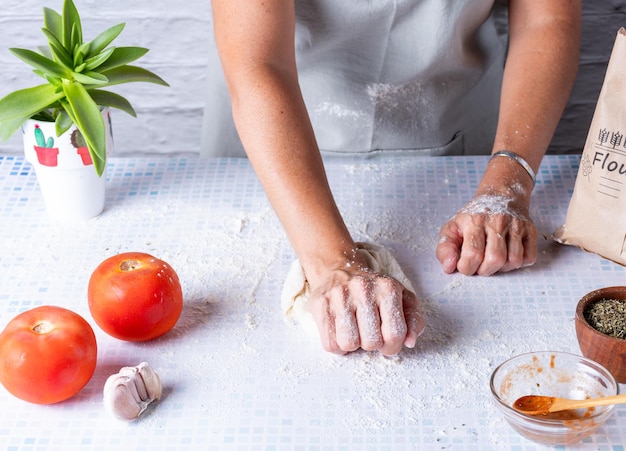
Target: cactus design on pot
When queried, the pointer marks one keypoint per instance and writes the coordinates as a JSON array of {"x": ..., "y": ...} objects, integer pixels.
[
  {"x": 81, "y": 147},
  {"x": 46, "y": 152},
  {"x": 40, "y": 138}
]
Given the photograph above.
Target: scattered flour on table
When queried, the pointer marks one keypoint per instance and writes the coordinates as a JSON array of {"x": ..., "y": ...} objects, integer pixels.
[
  {"x": 394, "y": 222},
  {"x": 434, "y": 382},
  {"x": 222, "y": 267},
  {"x": 443, "y": 383}
]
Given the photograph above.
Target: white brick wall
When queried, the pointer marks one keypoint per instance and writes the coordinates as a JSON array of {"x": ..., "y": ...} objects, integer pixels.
[
  {"x": 169, "y": 119},
  {"x": 176, "y": 32}
]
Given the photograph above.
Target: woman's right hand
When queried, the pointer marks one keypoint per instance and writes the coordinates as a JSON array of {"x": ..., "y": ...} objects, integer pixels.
[{"x": 357, "y": 308}]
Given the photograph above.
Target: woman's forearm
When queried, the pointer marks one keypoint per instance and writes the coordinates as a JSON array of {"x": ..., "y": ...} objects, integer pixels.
[
  {"x": 255, "y": 41},
  {"x": 539, "y": 74},
  {"x": 280, "y": 144}
]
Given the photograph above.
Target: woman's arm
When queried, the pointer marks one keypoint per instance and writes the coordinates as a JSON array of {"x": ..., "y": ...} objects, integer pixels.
[
  {"x": 350, "y": 303},
  {"x": 494, "y": 231}
]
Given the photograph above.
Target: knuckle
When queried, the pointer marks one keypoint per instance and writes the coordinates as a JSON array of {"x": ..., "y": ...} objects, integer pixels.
[
  {"x": 515, "y": 261},
  {"x": 348, "y": 343},
  {"x": 495, "y": 260},
  {"x": 466, "y": 268},
  {"x": 372, "y": 344},
  {"x": 387, "y": 284}
]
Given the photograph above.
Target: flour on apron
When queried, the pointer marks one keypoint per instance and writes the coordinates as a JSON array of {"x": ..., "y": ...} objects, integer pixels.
[{"x": 417, "y": 77}]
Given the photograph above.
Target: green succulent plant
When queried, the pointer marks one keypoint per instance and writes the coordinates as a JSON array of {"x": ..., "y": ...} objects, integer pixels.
[{"x": 76, "y": 73}]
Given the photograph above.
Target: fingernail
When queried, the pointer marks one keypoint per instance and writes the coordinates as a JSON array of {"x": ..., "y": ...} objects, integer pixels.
[{"x": 410, "y": 341}]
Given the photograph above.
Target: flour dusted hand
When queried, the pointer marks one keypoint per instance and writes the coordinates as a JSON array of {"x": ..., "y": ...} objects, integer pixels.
[
  {"x": 370, "y": 306},
  {"x": 492, "y": 233}
]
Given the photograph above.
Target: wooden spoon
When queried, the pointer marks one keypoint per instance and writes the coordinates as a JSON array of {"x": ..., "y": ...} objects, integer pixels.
[{"x": 543, "y": 405}]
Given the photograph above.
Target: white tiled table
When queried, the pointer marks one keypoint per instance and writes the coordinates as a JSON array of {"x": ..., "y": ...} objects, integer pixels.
[{"x": 237, "y": 376}]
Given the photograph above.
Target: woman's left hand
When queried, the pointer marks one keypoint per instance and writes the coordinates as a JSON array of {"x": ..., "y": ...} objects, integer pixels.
[{"x": 492, "y": 233}]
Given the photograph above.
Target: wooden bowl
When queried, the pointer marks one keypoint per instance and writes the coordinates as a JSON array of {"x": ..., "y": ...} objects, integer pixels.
[{"x": 608, "y": 351}]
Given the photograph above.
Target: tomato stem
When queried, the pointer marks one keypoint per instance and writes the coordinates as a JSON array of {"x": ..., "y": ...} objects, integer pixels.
[
  {"x": 130, "y": 265},
  {"x": 42, "y": 328}
]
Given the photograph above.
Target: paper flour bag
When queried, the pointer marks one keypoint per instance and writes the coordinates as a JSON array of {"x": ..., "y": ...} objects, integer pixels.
[{"x": 596, "y": 217}]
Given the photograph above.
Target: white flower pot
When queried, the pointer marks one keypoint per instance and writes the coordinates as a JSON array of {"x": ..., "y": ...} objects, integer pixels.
[{"x": 69, "y": 185}]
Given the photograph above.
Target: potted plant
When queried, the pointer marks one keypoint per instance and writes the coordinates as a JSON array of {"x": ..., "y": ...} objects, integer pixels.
[{"x": 73, "y": 98}]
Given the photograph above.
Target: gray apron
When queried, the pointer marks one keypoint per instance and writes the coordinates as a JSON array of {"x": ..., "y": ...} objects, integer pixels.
[{"x": 418, "y": 77}]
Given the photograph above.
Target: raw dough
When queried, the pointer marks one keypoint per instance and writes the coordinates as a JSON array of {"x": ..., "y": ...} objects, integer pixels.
[{"x": 295, "y": 295}]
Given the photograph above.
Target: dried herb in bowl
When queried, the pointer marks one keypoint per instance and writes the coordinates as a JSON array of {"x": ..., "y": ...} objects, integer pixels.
[{"x": 608, "y": 316}]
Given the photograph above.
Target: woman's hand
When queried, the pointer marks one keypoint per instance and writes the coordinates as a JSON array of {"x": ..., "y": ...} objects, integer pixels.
[
  {"x": 492, "y": 233},
  {"x": 358, "y": 308}
]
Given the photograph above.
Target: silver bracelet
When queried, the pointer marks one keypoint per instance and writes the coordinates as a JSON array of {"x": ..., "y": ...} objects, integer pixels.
[{"x": 522, "y": 162}]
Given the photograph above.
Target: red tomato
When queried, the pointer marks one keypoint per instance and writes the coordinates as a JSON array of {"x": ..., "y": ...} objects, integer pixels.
[
  {"x": 47, "y": 354},
  {"x": 135, "y": 296}
]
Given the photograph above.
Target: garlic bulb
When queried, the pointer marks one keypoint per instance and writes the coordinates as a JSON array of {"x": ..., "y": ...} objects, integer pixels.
[{"x": 128, "y": 393}]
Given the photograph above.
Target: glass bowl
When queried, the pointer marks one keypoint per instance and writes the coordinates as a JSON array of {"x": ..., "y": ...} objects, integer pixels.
[{"x": 558, "y": 374}]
